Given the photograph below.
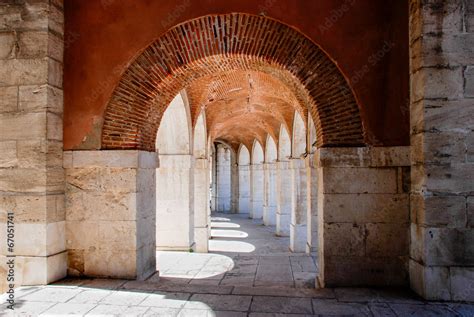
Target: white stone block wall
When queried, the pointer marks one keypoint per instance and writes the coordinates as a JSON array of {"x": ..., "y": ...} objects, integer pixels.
[
  {"x": 223, "y": 179},
  {"x": 31, "y": 140},
  {"x": 312, "y": 205},
  {"x": 201, "y": 205},
  {"x": 175, "y": 203},
  {"x": 269, "y": 203},
  {"x": 363, "y": 211},
  {"x": 298, "y": 222},
  {"x": 244, "y": 188},
  {"x": 283, "y": 198},
  {"x": 442, "y": 157},
  {"x": 257, "y": 176},
  {"x": 110, "y": 213}
]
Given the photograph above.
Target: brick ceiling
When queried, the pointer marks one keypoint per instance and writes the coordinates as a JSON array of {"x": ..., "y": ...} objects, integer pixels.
[{"x": 243, "y": 105}]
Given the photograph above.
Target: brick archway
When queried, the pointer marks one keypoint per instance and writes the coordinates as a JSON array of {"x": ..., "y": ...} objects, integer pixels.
[{"x": 213, "y": 44}]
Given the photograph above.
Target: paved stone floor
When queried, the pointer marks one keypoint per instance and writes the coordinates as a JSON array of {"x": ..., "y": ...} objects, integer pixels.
[
  {"x": 226, "y": 282},
  {"x": 243, "y": 252}
]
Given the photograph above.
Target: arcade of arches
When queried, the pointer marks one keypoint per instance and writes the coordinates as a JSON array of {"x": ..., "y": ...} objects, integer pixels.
[{"x": 168, "y": 111}]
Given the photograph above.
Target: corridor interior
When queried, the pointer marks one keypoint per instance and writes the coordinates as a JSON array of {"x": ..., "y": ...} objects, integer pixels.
[{"x": 242, "y": 252}]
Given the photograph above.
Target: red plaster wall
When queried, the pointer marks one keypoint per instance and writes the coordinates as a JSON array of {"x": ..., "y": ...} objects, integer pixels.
[{"x": 102, "y": 36}]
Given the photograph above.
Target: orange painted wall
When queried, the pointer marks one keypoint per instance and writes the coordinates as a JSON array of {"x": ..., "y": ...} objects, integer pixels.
[{"x": 367, "y": 38}]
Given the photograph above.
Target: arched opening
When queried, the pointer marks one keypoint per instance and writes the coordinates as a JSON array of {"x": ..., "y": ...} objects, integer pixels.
[
  {"x": 298, "y": 228},
  {"x": 244, "y": 179},
  {"x": 283, "y": 213},
  {"x": 257, "y": 160},
  {"x": 174, "y": 178},
  {"x": 269, "y": 204},
  {"x": 201, "y": 185},
  {"x": 225, "y": 178},
  {"x": 255, "y": 97},
  {"x": 287, "y": 60}
]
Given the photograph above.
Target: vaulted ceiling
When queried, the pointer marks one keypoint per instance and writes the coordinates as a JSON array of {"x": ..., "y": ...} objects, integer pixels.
[{"x": 243, "y": 105}]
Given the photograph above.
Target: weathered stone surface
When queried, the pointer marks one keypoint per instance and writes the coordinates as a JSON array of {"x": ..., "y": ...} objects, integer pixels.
[
  {"x": 34, "y": 16},
  {"x": 446, "y": 246},
  {"x": 462, "y": 283},
  {"x": 40, "y": 98},
  {"x": 447, "y": 211},
  {"x": 8, "y": 98},
  {"x": 439, "y": 148},
  {"x": 9, "y": 154},
  {"x": 23, "y": 126},
  {"x": 7, "y": 45},
  {"x": 456, "y": 178},
  {"x": 359, "y": 180},
  {"x": 430, "y": 282},
  {"x": 469, "y": 78},
  {"x": 344, "y": 239},
  {"x": 362, "y": 271},
  {"x": 32, "y": 44},
  {"x": 437, "y": 83},
  {"x": 361, "y": 208},
  {"x": 23, "y": 72},
  {"x": 443, "y": 49},
  {"x": 31, "y": 180},
  {"x": 388, "y": 240},
  {"x": 125, "y": 159},
  {"x": 442, "y": 115},
  {"x": 33, "y": 208}
]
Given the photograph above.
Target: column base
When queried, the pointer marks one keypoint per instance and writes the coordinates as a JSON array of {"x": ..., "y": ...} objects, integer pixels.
[
  {"x": 297, "y": 238},
  {"x": 283, "y": 225}
]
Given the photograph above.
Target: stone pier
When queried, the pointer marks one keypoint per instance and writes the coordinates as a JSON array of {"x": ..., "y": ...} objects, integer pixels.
[
  {"x": 110, "y": 213},
  {"x": 283, "y": 212},
  {"x": 269, "y": 195},
  {"x": 175, "y": 203},
  {"x": 298, "y": 229},
  {"x": 201, "y": 205},
  {"x": 363, "y": 211}
]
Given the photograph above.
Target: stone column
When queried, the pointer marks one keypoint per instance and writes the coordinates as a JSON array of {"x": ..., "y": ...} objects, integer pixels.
[
  {"x": 442, "y": 157},
  {"x": 269, "y": 196},
  {"x": 244, "y": 188},
  {"x": 175, "y": 203},
  {"x": 110, "y": 213},
  {"x": 312, "y": 204},
  {"x": 201, "y": 205},
  {"x": 363, "y": 210},
  {"x": 298, "y": 221},
  {"x": 256, "y": 188},
  {"x": 234, "y": 185},
  {"x": 31, "y": 140},
  {"x": 283, "y": 198},
  {"x": 223, "y": 179}
]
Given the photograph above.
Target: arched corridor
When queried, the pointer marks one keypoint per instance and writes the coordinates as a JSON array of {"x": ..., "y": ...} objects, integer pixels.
[{"x": 237, "y": 156}]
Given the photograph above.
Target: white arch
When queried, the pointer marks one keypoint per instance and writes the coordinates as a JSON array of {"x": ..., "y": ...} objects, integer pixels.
[
  {"x": 257, "y": 153},
  {"x": 200, "y": 137},
  {"x": 298, "y": 143},
  {"x": 284, "y": 144},
  {"x": 244, "y": 155},
  {"x": 244, "y": 179},
  {"x": 270, "y": 150},
  {"x": 257, "y": 181},
  {"x": 175, "y": 134},
  {"x": 175, "y": 199}
]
